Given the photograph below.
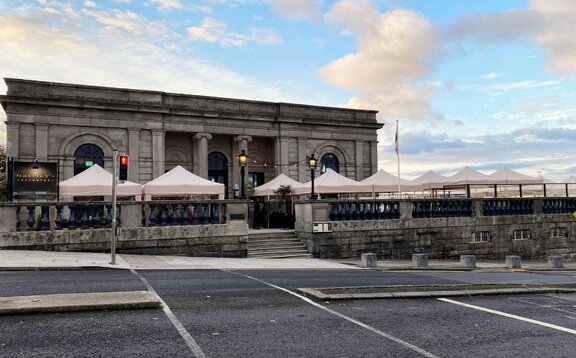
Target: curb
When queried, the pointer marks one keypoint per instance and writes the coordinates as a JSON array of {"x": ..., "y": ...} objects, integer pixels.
[
  {"x": 59, "y": 268},
  {"x": 74, "y": 302},
  {"x": 317, "y": 293}
]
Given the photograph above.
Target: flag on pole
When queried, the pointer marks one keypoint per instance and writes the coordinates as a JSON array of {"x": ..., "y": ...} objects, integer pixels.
[{"x": 397, "y": 146}]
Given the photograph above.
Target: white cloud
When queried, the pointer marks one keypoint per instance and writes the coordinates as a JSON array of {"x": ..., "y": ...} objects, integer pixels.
[
  {"x": 550, "y": 24},
  {"x": 395, "y": 51},
  {"x": 298, "y": 9},
  {"x": 91, "y": 4},
  {"x": 489, "y": 76},
  {"x": 126, "y": 21},
  {"x": 212, "y": 30},
  {"x": 165, "y": 5}
]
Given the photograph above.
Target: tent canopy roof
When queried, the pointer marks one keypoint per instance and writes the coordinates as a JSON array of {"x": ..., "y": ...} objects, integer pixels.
[
  {"x": 570, "y": 180},
  {"x": 180, "y": 181},
  {"x": 333, "y": 183},
  {"x": 508, "y": 176},
  {"x": 273, "y": 185},
  {"x": 382, "y": 181},
  {"x": 96, "y": 181},
  {"x": 469, "y": 176}
]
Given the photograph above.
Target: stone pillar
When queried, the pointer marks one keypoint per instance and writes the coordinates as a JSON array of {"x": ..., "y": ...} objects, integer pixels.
[
  {"x": 359, "y": 160},
  {"x": 41, "y": 142},
  {"x": 157, "y": 152},
  {"x": 282, "y": 156},
  {"x": 369, "y": 260},
  {"x": 468, "y": 261},
  {"x": 513, "y": 262},
  {"x": 12, "y": 140},
  {"x": 242, "y": 141},
  {"x": 374, "y": 156},
  {"x": 302, "y": 164},
  {"x": 134, "y": 154},
  {"x": 419, "y": 260},
  {"x": 556, "y": 261},
  {"x": 203, "y": 139}
]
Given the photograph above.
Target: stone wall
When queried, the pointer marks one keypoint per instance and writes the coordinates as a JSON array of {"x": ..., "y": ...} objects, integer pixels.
[
  {"x": 445, "y": 237},
  {"x": 218, "y": 240}
]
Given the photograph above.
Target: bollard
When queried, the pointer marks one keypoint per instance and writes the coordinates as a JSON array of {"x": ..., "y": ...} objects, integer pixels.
[
  {"x": 419, "y": 260},
  {"x": 468, "y": 261},
  {"x": 513, "y": 262},
  {"x": 556, "y": 261},
  {"x": 369, "y": 260}
]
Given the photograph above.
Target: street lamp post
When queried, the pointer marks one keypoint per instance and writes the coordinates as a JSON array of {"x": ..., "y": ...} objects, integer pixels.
[
  {"x": 312, "y": 163},
  {"x": 243, "y": 160}
]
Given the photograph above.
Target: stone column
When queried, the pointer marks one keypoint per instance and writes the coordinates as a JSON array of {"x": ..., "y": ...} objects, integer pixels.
[
  {"x": 242, "y": 144},
  {"x": 12, "y": 140},
  {"x": 359, "y": 160},
  {"x": 374, "y": 156},
  {"x": 302, "y": 164},
  {"x": 203, "y": 139},
  {"x": 157, "y": 152},
  {"x": 41, "y": 142},
  {"x": 134, "y": 154},
  {"x": 282, "y": 157}
]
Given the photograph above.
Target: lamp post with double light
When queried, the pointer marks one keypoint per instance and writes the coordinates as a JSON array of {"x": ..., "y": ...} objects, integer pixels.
[
  {"x": 242, "y": 160},
  {"x": 312, "y": 163}
]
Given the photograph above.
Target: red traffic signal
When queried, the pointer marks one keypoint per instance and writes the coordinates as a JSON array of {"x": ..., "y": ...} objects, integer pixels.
[{"x": 123, "y": 170}]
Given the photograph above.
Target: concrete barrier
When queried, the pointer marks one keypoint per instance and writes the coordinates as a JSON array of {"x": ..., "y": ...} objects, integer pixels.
[
  {"x": 468, "y": 261},
  {"x": 556, "y": 261},
  {"x": 369, "y": 260},
  {"x": 513, "y": 262},
  {"x": 419, "y": 260}
]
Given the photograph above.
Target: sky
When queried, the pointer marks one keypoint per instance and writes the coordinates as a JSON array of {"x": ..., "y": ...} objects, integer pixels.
[{"x": 472, "y": 83}]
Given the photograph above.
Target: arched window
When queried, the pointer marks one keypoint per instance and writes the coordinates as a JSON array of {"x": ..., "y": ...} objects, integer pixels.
[
  {"x": 218, "y": 168},
  {"x": 329, "y": 161},
  {"x": 86, "y": 156}
]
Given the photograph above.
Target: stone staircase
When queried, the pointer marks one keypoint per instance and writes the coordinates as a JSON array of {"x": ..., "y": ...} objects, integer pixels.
[{"x": 276, "y": 244}]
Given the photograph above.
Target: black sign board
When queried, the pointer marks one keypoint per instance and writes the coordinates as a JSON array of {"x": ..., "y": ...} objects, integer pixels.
[{"x": 37, "y": 180}]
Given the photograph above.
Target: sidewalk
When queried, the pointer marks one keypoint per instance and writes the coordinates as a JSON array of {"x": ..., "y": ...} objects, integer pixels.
[{"x": 46, "y": 260}]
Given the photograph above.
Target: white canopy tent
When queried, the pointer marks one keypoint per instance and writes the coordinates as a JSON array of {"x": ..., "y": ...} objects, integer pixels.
[
  {"x": 180, "y": 182},
  {"x": 270, "y": 187},
  {"x": 384, "y": 182},
  {"x": 469, "y": 176},
  {"x": 97, "y": 181},
  {"x": 570, "y": 180},
  {"x": 506, "y": 175},
  {"x": 333, "y": 183},
  {"x": 430, "y": 179}
]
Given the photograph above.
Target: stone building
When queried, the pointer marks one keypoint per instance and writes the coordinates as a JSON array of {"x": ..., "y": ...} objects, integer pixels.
[{"x": 81, "y": 125}]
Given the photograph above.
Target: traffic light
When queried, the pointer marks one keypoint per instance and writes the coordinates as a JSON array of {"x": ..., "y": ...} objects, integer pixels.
[{"x": 123, "y": 172}]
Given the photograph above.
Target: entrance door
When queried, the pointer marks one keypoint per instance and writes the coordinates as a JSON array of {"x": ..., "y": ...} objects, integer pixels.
[{"x": 218, "y": 169}]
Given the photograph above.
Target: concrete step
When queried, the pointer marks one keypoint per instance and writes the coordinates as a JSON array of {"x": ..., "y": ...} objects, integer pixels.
[
  {"x": 281, "y": 255},
  {"x": 274, "y": 241},
  {"x": 252, "y": 245},
  {"x": 261, "y": 250}
]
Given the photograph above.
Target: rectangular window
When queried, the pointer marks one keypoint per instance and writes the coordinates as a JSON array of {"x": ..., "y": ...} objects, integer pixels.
[
  {"x": 480, "y": 236},
  {"x": 523, "y": 234},
  {"x": 558, "y": 232}
]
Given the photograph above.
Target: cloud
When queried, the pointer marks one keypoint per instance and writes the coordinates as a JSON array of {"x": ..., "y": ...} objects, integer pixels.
[
  {"x": 298, "y": 9},
  {"x": 118, "y": 20},
  {"x": 165, "y": 5},
  {"x": 550, "y": 24},
  {"x": 394, "y": 51},
  {"x": 489, "y": 76},
  {"x": 212, "y": 30},
  {"x": 91, "y": 4}
]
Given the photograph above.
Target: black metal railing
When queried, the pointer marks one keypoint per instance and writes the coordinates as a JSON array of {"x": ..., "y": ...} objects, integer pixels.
[
  {"x": 98, "y": 215},
  {"x": 183, "y": 213},
  {"x": 558, "y": 206},
  {"x": 364, "y": 210},
  {"x": 441, "y": 208},
  {"x": 499, "y": 207}
]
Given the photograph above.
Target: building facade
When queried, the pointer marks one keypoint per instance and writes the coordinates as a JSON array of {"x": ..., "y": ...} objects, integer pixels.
[{"x": 79, "y": 125}]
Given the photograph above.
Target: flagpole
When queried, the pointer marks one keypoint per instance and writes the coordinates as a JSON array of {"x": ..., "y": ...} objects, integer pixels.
[{"x": 398, "y": 156}]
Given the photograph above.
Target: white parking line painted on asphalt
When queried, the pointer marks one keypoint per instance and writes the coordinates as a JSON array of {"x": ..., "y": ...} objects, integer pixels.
[
  {"x": 508, "y": 315},
  {"x": 190, "y": 342},
  {"x": 550, "y": 307},
  {"x": 349, "y": 319}
]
